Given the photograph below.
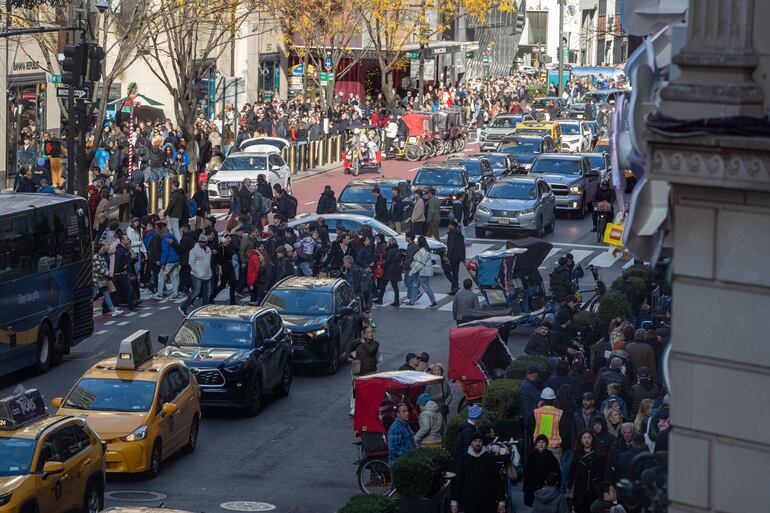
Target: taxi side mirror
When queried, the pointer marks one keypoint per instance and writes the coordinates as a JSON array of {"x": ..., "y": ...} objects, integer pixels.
[
  {"x": 51, "y": 468},
  {"x": 169, "y": 409},
  {"x": 163, "y": 339},
  {"x": 56, "y": 402}
]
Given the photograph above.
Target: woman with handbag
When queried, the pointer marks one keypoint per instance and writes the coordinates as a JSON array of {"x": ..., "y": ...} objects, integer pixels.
[
  {"x": 422, "y": 268},
  {"x": 363, "y": 355}
]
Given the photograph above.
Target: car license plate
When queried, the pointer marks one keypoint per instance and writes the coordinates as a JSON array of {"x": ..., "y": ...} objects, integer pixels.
[
  {"x": 580, "y": 116},
  {"x": 503, "y": 221}
]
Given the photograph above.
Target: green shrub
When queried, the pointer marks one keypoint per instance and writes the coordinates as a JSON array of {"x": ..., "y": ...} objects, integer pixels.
[
  {"x": 368, "y": 504},
  {"x": 642, "y": 271},
  {"x": 587, "y": 324},
  {"x": 613, "y": 304},
  {"x": 518, "y": 367},
  {"x": 450, "y": 433},
  {"x": 419, "y": 474},
  {"x": 639, "y": 285},
  {"x": 501, "y": 397}
]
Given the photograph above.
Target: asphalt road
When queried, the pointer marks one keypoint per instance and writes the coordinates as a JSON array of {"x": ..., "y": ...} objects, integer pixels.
[{"x": 298, "y": 453}]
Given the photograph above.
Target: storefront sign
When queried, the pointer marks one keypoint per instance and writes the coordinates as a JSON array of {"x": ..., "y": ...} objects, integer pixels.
[
  {"x": 613, "y": 234},
  {"x": 26, "y": 66}
]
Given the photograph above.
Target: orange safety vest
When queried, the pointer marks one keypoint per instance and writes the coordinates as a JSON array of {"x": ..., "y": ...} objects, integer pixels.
[{"x": 547, "y": 423}]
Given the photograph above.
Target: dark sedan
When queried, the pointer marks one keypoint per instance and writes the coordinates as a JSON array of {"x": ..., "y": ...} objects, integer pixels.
[
  {"x": 503, "y": 164},
  {"x": 357, "y": 197},
  {"x": 323, "y": 315},
  {"x": 479, "y": 170}
]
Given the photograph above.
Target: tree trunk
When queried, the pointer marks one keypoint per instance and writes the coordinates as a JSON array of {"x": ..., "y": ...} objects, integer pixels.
[{"x": 386, "y": 82}]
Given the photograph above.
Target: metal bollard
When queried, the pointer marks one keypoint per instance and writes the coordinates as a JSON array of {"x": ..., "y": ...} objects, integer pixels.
[
  {"x": 328, "y": 153},
  {"x": 302, "y": 153},
  {"x": 338, "y": 149},
  {"x": 292, "y": 159},
  {"x": 153, "y": 206},
  {"x": 166, "y": 192},
  {"x": 285, "y": 153},
  {"x": 183, "y": 182},
  {"x": 192, "y": 183},
  {"x": 317, "y": 154}
]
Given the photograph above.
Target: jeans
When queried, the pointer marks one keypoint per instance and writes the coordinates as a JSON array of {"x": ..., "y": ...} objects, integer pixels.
[
  {"x": 172, "y": 271},
  {"x": 566, "y": 460},
  {"x": 411, "y": 283},
  {"x": 383, "y": 286},
  {"x": 173, "y": 226},
  {"x": 200, "y": 288},
  {"x": 108, "y": 306},
  {"x": 418, "y": 227},
  {"x": 425, "y": 284},
  {"x": 123, "y": 284}
]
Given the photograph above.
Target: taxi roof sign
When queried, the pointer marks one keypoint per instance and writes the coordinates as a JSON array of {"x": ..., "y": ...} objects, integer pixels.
[
  {"x": 134, "y": 350},
  {"x": 21, "y": 408}
]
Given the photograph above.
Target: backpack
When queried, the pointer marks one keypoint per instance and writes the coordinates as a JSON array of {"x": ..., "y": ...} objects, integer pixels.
[
  {"x": 291, "y": 202},
  {"x": 193, "y": 205}
]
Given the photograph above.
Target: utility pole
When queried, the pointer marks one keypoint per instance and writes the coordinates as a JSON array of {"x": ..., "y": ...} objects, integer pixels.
[{"x": 561, "y": 47}]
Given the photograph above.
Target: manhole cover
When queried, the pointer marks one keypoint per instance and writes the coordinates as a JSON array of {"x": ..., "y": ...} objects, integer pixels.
[
  {"x": 135, "y": 496},
  {"x": 247, "y": 506}
]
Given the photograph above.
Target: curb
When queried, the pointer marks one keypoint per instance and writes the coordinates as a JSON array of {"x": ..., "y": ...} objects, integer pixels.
[{"x": 314, "y": 172}]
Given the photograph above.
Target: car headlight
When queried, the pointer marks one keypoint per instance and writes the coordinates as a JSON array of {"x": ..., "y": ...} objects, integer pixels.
[
  {"x": 317, "y": 333},
  {"x": 238, "y": 367},
  {"x": 455, "y": 196},
  {"x": 576, "y": 189},
  {"x": 136, "y": 435},
  {"x": 483, "y": 209},
  {"x": 526, "y": 211},
  {"x": 213, "y": 181}
]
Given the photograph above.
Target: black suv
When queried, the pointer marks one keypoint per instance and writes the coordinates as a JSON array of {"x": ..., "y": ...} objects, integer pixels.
[
  {"x": 323, "y": 314},
  {"x": 450, "y": 181},
  {"x": 479, "y": 170},
  {"x": 236, "y": 353}
]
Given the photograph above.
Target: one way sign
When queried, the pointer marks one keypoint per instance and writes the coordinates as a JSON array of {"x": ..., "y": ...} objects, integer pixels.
[{"x": 79, "y": 94}]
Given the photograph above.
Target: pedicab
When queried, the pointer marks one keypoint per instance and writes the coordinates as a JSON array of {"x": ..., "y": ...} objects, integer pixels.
[
  {"x": 360, "y": 155},
  {"x": 376, "y": 399},
  {"x": 477, "y": 355}
]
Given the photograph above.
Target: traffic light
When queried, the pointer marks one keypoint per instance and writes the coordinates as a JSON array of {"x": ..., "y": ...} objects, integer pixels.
[
  {"x": 95, "y": 58},
  {"x": 74, "y": 65}
]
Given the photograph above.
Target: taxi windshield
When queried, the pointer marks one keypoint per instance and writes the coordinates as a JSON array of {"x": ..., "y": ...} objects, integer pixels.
[
  {"x": 215, "y": 333},
  {"x": 15, "y": 456},
  {"x": 111, "y": 395}
]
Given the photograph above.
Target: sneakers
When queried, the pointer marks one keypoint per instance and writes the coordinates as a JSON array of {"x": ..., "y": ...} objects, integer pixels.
[
  {"x": 409, "y": 302},
  {"x": 115, "y": 312},
  {"x": 159, "y": 297},
  {"x": 419, "y": 295},
  {"x": 433, "y": 305},
  {"x": 177, "y": 296}
]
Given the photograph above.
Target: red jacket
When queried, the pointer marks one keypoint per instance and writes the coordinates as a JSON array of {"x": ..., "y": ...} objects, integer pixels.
[{"x": 252, "y": 270}]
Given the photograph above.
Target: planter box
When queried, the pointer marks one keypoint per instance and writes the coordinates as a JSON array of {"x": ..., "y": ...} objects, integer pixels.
[{"x": 439, "y": 503}]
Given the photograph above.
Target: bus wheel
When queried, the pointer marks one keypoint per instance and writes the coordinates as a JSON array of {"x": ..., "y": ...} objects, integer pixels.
[{"x": 45, "y": 350}]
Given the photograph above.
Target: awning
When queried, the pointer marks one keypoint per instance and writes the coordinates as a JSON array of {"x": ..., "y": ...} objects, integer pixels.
[
  {"x": 645, "y": 226},
  {"x": 140, "y": 100}
]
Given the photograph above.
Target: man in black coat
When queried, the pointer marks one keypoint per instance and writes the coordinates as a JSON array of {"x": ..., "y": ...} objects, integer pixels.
[
  {"x": 561, "y": 281},
  {"x": 396, "y": 214},
  {"x": 380, "y": 207},
  {"x": 263, "y": 186},
  {"x": 478, "y": 488},
  {"x": 538, "y": 343},
  {"x": 327, "y": 203},
  {"x": 455, "y": 254}
]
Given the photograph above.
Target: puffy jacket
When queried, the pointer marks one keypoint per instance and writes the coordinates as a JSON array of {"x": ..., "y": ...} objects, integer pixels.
[
  {"x": 177, "y": 206},
  {"x": 327, "y": 203},
  {"x": 421, "y": 264},
  {"x": 156, "y": 157},
  {"x": 431, "y": 424},
  {"x": 153, "y": 243},
  {"x": 169, "y": 253},
  {"x": 265, "y": 278},
  {"x": 561, "y": 283},
  {"x": 200, "y": 262},
  {"x": 252, "y": 271},
  {"x": 645, "y": 389}
]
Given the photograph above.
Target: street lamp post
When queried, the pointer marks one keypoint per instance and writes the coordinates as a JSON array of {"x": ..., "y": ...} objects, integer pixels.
[{"x": 561, "y": 47}]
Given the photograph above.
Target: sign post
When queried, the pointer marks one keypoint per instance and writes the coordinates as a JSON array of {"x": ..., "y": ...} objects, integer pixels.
[{"x": 128, "y": 106}]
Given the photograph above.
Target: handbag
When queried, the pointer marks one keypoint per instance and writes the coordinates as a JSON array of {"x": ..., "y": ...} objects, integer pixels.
[
  {"x": 355, "y": 367},
  {"x": 111, "y": 287}
]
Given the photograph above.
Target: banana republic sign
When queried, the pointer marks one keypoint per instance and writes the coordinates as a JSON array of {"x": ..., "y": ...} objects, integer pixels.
[{"x": 23, "y": 66}]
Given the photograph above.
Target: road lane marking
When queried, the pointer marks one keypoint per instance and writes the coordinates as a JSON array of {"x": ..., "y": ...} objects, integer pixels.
[
  {"x": 100, "y": 332},
  {"x": 580, "y": 254},
  {"x": 122, "y": 323},
  {"x": 130, "y": 314},
  {"x": 109, "y": 323},
  {"x": 606, "y": 259},
  {"x": 146, "y": 314},
  {"x": 310, "y": 203}
]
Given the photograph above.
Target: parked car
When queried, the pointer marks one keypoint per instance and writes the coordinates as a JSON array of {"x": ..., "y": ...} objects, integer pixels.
[
  {"x": 517, "y": 203},
  {"x": 498, "y": 127},
  {"x": 571, "y": 179},
  {"x": 323, "y": 315},
  {"x": 241, "y": 165},
  {"x": 357, "y": 197},
  {"x": 526, "y": 148}
]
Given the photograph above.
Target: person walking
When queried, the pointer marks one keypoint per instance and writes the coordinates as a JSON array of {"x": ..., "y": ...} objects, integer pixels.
[
  {"x": 103, "y": 280},
  {"x": 380, "y": 207},
  {"x": 199, "y": 260},
  {"x": 477, "y": 488},
  {"x": 410, "y": 281},
  {"x": 418, "y": 214},
  {"x": 396, "y": 214},
  {"x": 606, "y": 503},
  {"x": 364, "y": 355},
  {"x": 549, "y": 498},
  {"x": 455, "y": 255},
  {"x": 540, "y": 462},
  {"x": 305, "y": 248},
  {"x": 422, "y": 268},
  {"x": 340, "y": 248},
  {"x": 538, "y": 343},
  {"x": 121, "y": 269},
  {"x": 264, "y": 277},
  {"x": 585, "y": 471},
  {"x": 391, "y": 272},
  {"x": 400, "y": 436},
  {"x": 642, "y": 354},
  {"x": 644, "y": 389},
  {"x": 253, "y": 261},
  {"x": 433, "y": 214},
  {"x": 327, "y": 203},
  {"x": 529, "y": 393},
  {"x": 169, "y": 265},
  {"x": 431, "y": 422},
  {"x": 177, "y": 208},
  {"x": 545, "y": 421},
  {"x": 466, "y": 431},
  {"x": 464, "y": 302}
]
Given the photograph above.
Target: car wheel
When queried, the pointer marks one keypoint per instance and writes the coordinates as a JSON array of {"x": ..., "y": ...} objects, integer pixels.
[
  {"x": 155, "y": 460},
  {"x": 583, "y": 209},
  {"x": 45, "y": 350},
  {"x": 93, "y": 500},
  {"x": 480, "y": 232},
  {"x": 333, "y": 365},
  {"x": 282, "y": 390},
  {"x": 255, "y": 399},
  {"x": 538, "y": 232},
  {"x": 552, "y": 225},
  {"x": 192, "y": 440},
  {"x": 61, "y": 343}
]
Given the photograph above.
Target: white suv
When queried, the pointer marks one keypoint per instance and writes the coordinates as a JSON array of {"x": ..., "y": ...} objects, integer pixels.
[
  {"x": 262, "y": 159},
  {"x": 575, "y": 136}
]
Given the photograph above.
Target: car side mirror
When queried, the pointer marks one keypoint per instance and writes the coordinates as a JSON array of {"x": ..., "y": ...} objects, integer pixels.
[
  {"x": 52, "y": 468},
  {"x": 169, "y": 409},
  {"x": 56, "y": 402},
  {"x": 269, "y": 342},
  {"x": 346, "y": 310},
  {"x": 163, "y": 340}
]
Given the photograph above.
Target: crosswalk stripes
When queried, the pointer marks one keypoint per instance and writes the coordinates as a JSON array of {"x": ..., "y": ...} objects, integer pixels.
[
  {"x": 579, "y": 254},
  {"x": 476, "y": 249},
  {"x": 606, "y": 259}
]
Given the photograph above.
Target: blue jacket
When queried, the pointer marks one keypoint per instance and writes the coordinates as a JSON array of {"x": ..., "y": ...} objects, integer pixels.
[
  {"x": 122, "y": 259},
  {"x": 48, "y": 189},
  {"x": 365, "y": 256},
  {"x": 400, "y": 441},
  {"x": 529, "y": 395},
  {"x": 168, "y": 254}
]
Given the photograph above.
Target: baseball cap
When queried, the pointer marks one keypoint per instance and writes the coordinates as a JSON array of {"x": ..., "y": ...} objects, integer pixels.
[{"x": 588, "y": 395}]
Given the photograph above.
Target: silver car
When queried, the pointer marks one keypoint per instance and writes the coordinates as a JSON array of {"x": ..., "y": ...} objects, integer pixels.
[
  {"x": 517, "y": 203},
  {"x": 498, "y": 127}
]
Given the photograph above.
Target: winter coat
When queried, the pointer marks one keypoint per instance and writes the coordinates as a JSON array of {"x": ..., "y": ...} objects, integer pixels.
[
  {"x": 177, "y": 206},
  {"x": 641, "y": 355},
  {"x": 645, "y": 389},
  {"x": 396, "y": 213},
  {"x": 101, "y": 271},
  {"x": 366, "y": 352},
  {"x": 422, "y": 264},
  {"x": 418, "y": 211},
  {"x": 610, "y": 376},
  {"x": 433, "y": 210},
  {"x": 579, "y": 420},
  {"x": 538, "y": 465},
  {"x": 601, "y": 506},
  {"x": 549, "y": 500},
  {"x": 585, "y": 472},
  {"x": 283, "y": 267},
  {"x": 156, "y": 157},
  {"x": 464, "y": 301},
  {"x": 336, "y": 254},
  {"x": 431, "y": 424},
  {"x": 252, "y": 270},
  {"x": 169, "y": 254},
  {"x": 477, "y": 488},
  {"x": 529, "y": 395},
  {"x": 441, "y": 393},
  {"x": 555, "y": 382},
  {"x": 537, "y": 345},
  {"x": 411, "y": 250},
  {"x": 200, "y": 262},
  {"x": 327, "y": 203},
  {"x": 139, "y": 203},
  {"x": 391, "y": 265},
  {"x": 455, "y": 243},
  {"x": 153, "y": 243},
  {"x": 265, "y": 278},
  {"x": 135, "y": 235},
  {"x": 365, "y": 256},
  {"x": 381, "y": 210},
  {"x": 561, "y": 283}
]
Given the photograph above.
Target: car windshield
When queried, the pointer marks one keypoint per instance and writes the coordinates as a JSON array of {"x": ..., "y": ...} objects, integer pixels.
[
  {"x": 534, "y": 131},
  {"x": 300, "y": 301},
  {"x": 504, "y": 122},
  {"x": 363, "y": 193},
  {"x": 215, "y": 333},
  {"x": 515, "y": 191},
  {"x": 438, "y": 177},
  {"x": 473, "y": 167},
  {"x": 244, "y": 163},
  {"x": 111, "y": 395},
  {"x": 570, "y": 128},
  {"x": 521, "y": 147},
  {"x": 16, "y": 456},
  {"x": 556, "y": 166},
  {"x": 378, "y": 227},
  {"x": 597, "y": 162},
  {"x": 499, "y": 163},
  {"x": 603, "y": 147}
]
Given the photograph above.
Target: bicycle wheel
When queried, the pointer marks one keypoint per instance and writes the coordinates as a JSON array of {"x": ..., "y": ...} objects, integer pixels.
[
  {"x": 440, "y": 147},
  {"x": 460, "y": 144},
  {"x": 592, "y": 305},
  {"x": 412, "y": 152},
  {"x": 374, "y": 476}
]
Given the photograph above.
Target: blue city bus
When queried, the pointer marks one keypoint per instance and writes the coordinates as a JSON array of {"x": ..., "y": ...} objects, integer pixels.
[{"x": 45, "y": 279}]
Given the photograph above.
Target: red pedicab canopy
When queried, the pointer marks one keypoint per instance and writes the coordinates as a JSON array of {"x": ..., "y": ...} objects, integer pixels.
[
  {"x": 466, "y": 348},
  {"x": 371, "y": 392}
]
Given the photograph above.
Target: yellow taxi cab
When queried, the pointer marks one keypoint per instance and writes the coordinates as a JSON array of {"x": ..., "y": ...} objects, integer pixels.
[
  {"x": 541, "y": 128},
  {"x": 144, "y": 407},
  {"x": 602, "y": 145},
  {"x": 47, "y": 464}
]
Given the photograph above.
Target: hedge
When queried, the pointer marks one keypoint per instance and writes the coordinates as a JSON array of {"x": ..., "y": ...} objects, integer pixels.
[
  {"x": 640, "y": 286},
  {"x": 450, "y": 434},
  {"x": 518, "y": 367},
  {"x": 501, "y": 397},
  {"x": 613, "y": 304},
  {"x": 419, "y": 473},
  {"x": 642, "y": 271},
  {"x": 587, "y": 323},
  {"x": 368, "y": 504}
]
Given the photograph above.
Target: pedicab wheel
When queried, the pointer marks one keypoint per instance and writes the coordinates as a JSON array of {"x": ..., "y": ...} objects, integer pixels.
[
  {"x": 592, "y": 305},
  {"x": 356, "y": 168},
  {"x": 412, "y": 153},
  {"x": 374, "y": 476},
  {"x": 460, "y": 144},
  {"x": 440, "y": 147}
]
